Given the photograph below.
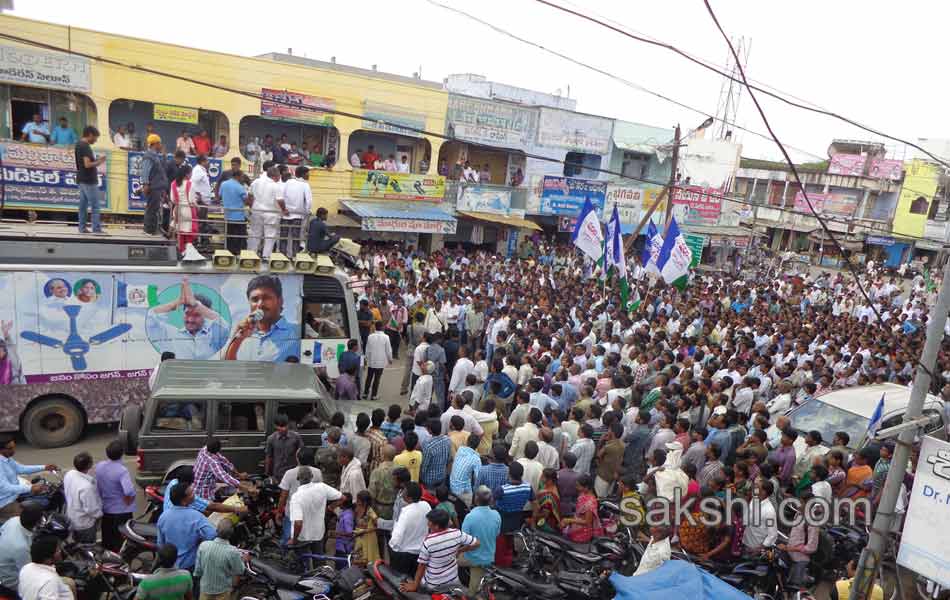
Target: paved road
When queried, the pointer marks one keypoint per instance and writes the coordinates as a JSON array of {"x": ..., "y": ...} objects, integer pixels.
[{"x": 98, "y": 436}]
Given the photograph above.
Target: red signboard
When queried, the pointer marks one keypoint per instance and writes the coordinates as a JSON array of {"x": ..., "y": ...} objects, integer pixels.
[{"x": 695, "y": 205}]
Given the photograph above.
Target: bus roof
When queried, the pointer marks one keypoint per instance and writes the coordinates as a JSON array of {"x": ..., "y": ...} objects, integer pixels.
[{"x": 228, "y": 379}]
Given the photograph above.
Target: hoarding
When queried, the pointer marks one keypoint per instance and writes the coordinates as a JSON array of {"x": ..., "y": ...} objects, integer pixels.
[
  {"x": 35, "y": 68},
  {"x": 41, "y": 176},
  {"x": 574, "y": 131},
  {"x": 392, "y": 119},
  {"x": 694, "y": 205},
  {"x": 709, "y": 164},
  {"x": 281, "y": 104},
  {"x": 489, "y": 122},
  {"x": 136, "y": 201},
  {"x": 882, "y": 168},
  {"x": 484, "y": 199},
  {"x": 928, "y": 513},
  {"x": 632, "y": 201},
  {"x": 177, "y": 114},
  {"x": 409, "y": 225},
  {"x": 847, "y": 164},
  {"x": 566, "y": 195},
  {"x": 397, "y": 186},
  {"x": 830, "y": 203}
]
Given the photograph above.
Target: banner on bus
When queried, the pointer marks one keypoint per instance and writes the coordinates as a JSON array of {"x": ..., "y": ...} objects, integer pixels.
[
  {"x": 85, "y": 326},
  {"x": 40, "y": 176},
  {"x": 387, "y": 185},
  {"x": 136, "y": 201}
]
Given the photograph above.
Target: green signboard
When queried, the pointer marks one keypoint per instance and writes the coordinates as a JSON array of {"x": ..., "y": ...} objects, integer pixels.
[{"x": 695, "y": 243}]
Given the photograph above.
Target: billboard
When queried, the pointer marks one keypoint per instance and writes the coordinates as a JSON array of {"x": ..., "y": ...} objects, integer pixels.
[
  {"x": 41, "y": 176},
  {"x": 482, "y": 199},
  {"x": 281, "y": 104},
  {"x": 847, "y": 164},
  {"x": 136, "y": 202},
  {"x": 76, "y": 326},
  {"x": 632, "y": 201},
  {"x": 709, "y": 164},
  {"x": 882, "y": 168},
  {"x": 836, "y": 203},
  {"x": 401, "y": 225},
  {"x": 694, "y": 205},
  {"x": 388, "y": 185},
  {"x": 574, "y": 131},
  {"x": 35, "y": 68},
  {"x": 566, "y": 195},
  {"x": 913, "y": 203},
  {"x": 491, "y": 123},
  {"x": 928, "y": 512},
  {"x": 177, "y": 114}
]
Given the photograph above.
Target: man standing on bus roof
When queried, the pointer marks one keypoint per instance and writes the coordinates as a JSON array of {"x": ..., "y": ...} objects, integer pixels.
[
  {"x": 87, "y": 176},
  {"x": 203, "y": 333},
  {"x": 265, "y": 334},
  {"x": 154, "y": 182},
  {"x": 267, "y": 207}
]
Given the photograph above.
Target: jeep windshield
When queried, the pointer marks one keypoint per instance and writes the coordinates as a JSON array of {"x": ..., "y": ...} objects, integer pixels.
[{"x": 816, "y": 415}]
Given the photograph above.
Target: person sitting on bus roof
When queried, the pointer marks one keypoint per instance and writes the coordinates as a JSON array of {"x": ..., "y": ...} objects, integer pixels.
[
  {"x": 319, "y": 238},
  {"x": 203, "y": 333}
]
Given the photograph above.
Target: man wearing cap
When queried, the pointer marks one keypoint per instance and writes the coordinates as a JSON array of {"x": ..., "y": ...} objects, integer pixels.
[{"x": 154, "y": 183}]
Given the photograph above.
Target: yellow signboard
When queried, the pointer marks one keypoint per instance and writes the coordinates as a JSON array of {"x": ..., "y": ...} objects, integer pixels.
[
  {"x": 913, "y": 204},
  {"x": 388, "y": 185},
  {"x": 178, "y": 114}
]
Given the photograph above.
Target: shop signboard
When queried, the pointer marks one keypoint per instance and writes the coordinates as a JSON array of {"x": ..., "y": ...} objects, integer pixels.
[
  {"x": 710, "y": 164},
  {"x": 884, "y": 168},
  {"x": 177, "y": 114},
  {"x": 632, "y": 201},
  {"x": 36, "y": 68},
  {"x": 574, "y": 131},
  {"x": 695, "y": 242},
  {"x": 694, "y": 205},
  {"x": 928, "y": 512},
  {"x": 40, "y": 176},
  {"x": 137, "y": 202},
  {"x": 489, "y": 122},
  {"x": 879, "y": 240},
  {"x": 480, "y": 198},
  {"x": 847, "y": 164},
  {"x": 409, "y": 225},
  {"x": 281, "y": 104},
  {"x": 566, "y": 195},
  {"x": 388, "y": 185},
  {"x": 512, "y": 246},
  {"x": 817, "y": 200},
  {"x": 392, "y": 119}
]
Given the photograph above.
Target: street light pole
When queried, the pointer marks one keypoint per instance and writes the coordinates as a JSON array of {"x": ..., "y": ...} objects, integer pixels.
[{"x": 871, "y": 556}]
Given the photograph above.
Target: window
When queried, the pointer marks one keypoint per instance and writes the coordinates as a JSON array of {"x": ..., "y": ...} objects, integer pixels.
[
  {"x": 389, "y": 146},
  {"x": 211, "y": 125},
  {"x": 179, "y": 416},
  {"x": 241, "y": 416},
  {"x": 316, "y": 145},
  {"x": 634, "y": 165},
  {"x": 325, "y": 319},
  {"x": 302, "y": 415},
  {"x": 21, "y": 103},
  {"x": 580, "y": 164},
  {"x": 919, "y": 206}
]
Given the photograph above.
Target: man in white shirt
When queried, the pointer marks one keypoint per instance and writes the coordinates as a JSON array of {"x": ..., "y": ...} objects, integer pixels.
[
  {"x": 762, "y": 529},
  {"x": 266, "y": 209},
  {"x": 403, "y": 166},
  {"x": 379, "y": 355},
  {"x": 38, "y": 579},
  {"x": 308, "y": 508},
  {"x": 657, "y": 552},
  {"x": 463, "y": 366},
  {"x": 355, "y": 160},
  {"x": 352, "y": 481},
  {"x": 409, "y": 531},
  {"x": 121, "y": 139},
  {"x": 83, "y": 504},
  {"x": 298, "y": 198},
  {"x": 201, "y": 181}
]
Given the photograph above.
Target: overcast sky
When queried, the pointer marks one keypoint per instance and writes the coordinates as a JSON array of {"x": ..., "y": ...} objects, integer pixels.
[{"x": 872, "y": 61}]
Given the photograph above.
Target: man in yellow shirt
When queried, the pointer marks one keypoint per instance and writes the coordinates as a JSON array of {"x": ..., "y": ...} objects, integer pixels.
[
  {"x": 410, "y": 458},
  {"x": 843, "y": 587}
]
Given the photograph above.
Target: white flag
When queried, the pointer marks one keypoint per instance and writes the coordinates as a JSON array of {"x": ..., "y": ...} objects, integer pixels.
[
  {"x": 587, "y": 233},
  {"x": 675, "y": 256}
]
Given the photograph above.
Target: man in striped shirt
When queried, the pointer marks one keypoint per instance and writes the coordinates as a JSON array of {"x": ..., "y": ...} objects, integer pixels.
[
  {"x": 438, "y": 559},
  {"x": 166, "y": 582},
  {"x": 219, "y": 564}
]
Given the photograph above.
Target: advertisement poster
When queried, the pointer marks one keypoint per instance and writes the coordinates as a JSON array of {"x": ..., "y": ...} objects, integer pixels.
[
  {"x": 883, "y": 168},
  {"x": 74, "y": 326},
  {"x": 136, "y": 202},
  {"x": 397, "y": 224},
  {"x": 397, "y": 186},
  {"x": 632, "y": 201},
  {"x": 927, "y": 512},
  {"x": 913, "y": 204},
  {"x": 492, "y": 123},
  {"x": 574, "y": 131},
  {"x": 696, "y": 243},
  {"x": 481, "y": 199},
  {"x": 566, "y": 195},
  {"x": 281, "y": 104},
  {"x": 696, "y": 205},
  {"x": 177, "y": 114},
  {"x": 392, "y": 119},
  {"x": 40, "y": 176},
  {"x": 35, "y": 68},
  {"x": 847, "y": 164},
  {"x": 710, "y": 164}
]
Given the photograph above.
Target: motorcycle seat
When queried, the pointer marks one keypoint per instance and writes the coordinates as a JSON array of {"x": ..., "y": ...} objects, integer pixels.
[
  {"x": 392, "y": 578},
  {"x": 543, "y": 590},
  {"x": 283, "y": 579},
  {"x": 148, "y": 531}
]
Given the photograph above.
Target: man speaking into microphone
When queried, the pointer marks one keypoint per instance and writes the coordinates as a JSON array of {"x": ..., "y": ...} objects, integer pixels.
[{"x": 264, "y": 334}]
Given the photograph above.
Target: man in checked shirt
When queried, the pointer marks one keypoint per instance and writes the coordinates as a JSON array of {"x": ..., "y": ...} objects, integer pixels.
[{"x": 212, "y": 468}]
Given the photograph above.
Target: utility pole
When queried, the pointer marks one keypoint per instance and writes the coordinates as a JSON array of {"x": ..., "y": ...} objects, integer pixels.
[
  {"x": 870, "y": 561},
  {"x": 755, "y": 218},
  {"x": 667, "y": 193}
]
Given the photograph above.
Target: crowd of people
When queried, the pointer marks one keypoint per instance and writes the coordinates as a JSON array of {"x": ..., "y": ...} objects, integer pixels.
[{"x": 531, "y": 393}]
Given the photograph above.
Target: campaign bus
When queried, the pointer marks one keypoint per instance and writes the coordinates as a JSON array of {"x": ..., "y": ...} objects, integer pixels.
[{"x": 79, "y": 341}]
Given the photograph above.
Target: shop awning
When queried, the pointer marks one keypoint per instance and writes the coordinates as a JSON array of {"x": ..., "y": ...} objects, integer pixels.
[
  {"x": 502, "y": 220},
  {"x": 341, "y": 220},
  {"x": 405, "y": 217}
]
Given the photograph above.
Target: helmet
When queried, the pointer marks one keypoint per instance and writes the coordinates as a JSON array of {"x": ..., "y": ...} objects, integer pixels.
[{"x": 53, "y": 524}]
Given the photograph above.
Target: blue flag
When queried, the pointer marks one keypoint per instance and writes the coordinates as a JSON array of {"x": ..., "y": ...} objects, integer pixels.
[
  {"x": 651, "y": 233},
  {"x": 875, "y": 423}
]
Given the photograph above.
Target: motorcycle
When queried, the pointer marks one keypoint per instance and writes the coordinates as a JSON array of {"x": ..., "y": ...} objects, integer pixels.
[
  {"x": 263, "y": 580},
  {"x": 140, "y": 545},
  {"x": 766, "y": 578},
  {"x": 388, "y": 579},
  {"x": 563, "y": 585},
  {"x": 554, "y": 551}
]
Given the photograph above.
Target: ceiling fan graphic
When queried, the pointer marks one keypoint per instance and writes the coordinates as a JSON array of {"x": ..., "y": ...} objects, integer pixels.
[{"x": 74, "y": 346}]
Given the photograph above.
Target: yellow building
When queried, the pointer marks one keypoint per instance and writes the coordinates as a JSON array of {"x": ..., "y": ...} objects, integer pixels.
[{"x": 276, "y": 95}]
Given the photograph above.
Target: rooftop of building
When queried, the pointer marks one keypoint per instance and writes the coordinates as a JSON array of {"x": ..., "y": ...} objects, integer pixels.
[{"x": 332, "y": 65}]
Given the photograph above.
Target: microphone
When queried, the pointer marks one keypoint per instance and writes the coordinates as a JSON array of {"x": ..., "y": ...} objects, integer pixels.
[{"x": 257, "y": 315}]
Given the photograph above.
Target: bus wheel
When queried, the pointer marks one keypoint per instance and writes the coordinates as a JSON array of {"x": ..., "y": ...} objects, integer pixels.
[{"x": 53, "y": 422}]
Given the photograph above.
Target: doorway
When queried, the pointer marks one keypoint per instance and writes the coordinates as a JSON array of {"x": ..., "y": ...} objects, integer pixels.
[{"x": 22, "y": 112}]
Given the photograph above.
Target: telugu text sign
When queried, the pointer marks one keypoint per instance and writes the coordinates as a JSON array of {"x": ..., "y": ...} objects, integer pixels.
[
  {"x": 136, "y": 201},
  {"x": 396, "y": 224},
  {"x": 489, "y": 122},
  {"x": 388, "y": 185},
  {"x": 566, "y": 195},
  {"x": 632, "y": 201},
  {"x": 281, "y": 104},
  {"x": 928, "y": 511},
  {"x": 696, "y": 205},
  {"x": 25, "y": 66},
  {"x": 40, "y": 176},
  {"x": 573, "y": 131},
  {"x": 176, "y": 114}
]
